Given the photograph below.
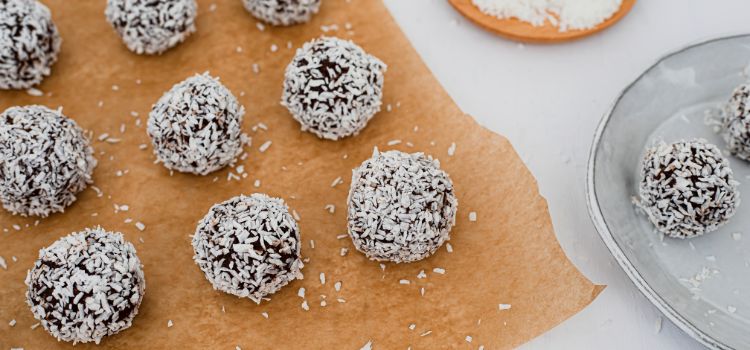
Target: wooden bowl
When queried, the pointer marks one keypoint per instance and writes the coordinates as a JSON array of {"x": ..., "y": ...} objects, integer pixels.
[{"x": 525, "y": 32}]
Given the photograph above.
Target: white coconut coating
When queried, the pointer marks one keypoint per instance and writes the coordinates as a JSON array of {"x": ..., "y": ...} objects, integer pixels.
[
  {"x": 152, "y": 26},
  {"x": 736, "y": 122},
  {"x": 29, "y": 43},
  {"x": 401, "y": 206},
  {"x": 196, "y": 126},
  {"x": 687, "y": 188},
  {"x": 248, "y": 246},
  {"x": 282, "y": 12},
  {"x": 45, "y": 160},
  {"x": 86, "y": 286},
  {"x": 333, "y": 88}
]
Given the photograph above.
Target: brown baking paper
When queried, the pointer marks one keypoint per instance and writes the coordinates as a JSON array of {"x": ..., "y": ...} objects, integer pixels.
[{"x": 509, "y": 255}]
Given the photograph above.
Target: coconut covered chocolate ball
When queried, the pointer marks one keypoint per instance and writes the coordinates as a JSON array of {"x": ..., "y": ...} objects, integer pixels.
[
  {"x": 196, "y": 126},
  {"x": 401, "y": 206},
  {"x": 86, "y": 286},
  {"x": 687, "y": 188},
  {"x": 29, "y": 43},
  {"x": 333, "y": 88},
  {"x": 282, "y": 12},
  {"x": 736, "y": 122},
  {"x": 152, "y": 26},
  {"x": 248, "y": 246},
  {"x": 45, "y": 160}
]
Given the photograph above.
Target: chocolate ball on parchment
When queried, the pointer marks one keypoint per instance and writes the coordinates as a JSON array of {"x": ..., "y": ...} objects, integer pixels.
[
  {"x": 29, "y": 43},
  {"x": 86, "y": 286},
  {"x": 196, "y": 126},
  {"x": 282, "y": 12},
  {"x": 152, "y": 26},
  {"x": 248, "y": 246},
  {"x": 45, "y": 160},
  {"x": 333, "y": 88},
  {"x": 401, "y": 206}
]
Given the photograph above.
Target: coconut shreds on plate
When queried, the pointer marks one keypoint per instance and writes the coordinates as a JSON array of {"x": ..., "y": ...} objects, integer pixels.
[
  {"x": 86, "y": 286},
  {"x": 152, "y": 26},
  {"x": 248, "y": 246},
  {"x": 45, "y": 160},
  {"x": 687, "y": 188},
  {"x": 563, "y": 14},
  {"x": 401, "y": 206},
  {"x": 195, "y": 127},
  {"x": 282, "y": 12},
  {"x": 29, "y": 43},
  {"x": 333, "y": 87}
]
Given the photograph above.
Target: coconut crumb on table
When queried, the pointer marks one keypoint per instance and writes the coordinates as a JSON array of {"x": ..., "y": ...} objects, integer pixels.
[
  {"x": 140, "y": 226},
  {"x": 3, "y": 264},
  {"x": 439, "y": 270},
  {"x": 322, "y": 278},
  {"x": 504, "y": 306},
  {"x": 473, "y": 216},
  {"x": 367, "y": 346},
  {"x": 12, "y": 323},
  {"x": 337, "y": 286},
  {"x": 170, "y": 324},
  {"x": 404, "y": 282},
  {"x": 343, "y": 251},
  {"x": 301, "y": 292},
  {"x": 305, "y": 306},
  {"x": 330, "y": 208}
]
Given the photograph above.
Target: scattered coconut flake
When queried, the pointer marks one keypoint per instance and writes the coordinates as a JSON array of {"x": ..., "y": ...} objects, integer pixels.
[
  {"x": 504, "y": 306},
  {"x": 421, "y": 274},
  {"x": 367, "y": 346},
  {"x": 412, "y": 326},
  {"x": 425, "y": 334},
  {"x": 301, "y": 292},
  {"x": 337, "y": 286},
  {"x": 140, "y": 226},
  {"x": 265, "y": 314},
  {"x": 12, "y": 323},
  {"x": 264, "y": 146},
  {"x": 472, "y": 216},
  {"x": 3, "y": 264},
  {"x": 296, "y": 215},
  {"x": 394, "y": 142},
  {"x": 330, "y": 208},
  {"x": 404, "y": 282},
  {"x": 305, "y": 306},
  {"x": 344, "y": 251},
  {"x": 439, "y": 270},
  {"x": 336, "y": 181},
  {"x": 170, "y": 324},
  {"x": 256, "y": 183},
  {"x": 452, "y": 149},
  {"x": 34, "y": 92},
  {"x": 341, "y": 236},
  {"x": 449, "y": 247},
  {"x": 468, "y": 339},
  {"x": 322, "y": 278}
]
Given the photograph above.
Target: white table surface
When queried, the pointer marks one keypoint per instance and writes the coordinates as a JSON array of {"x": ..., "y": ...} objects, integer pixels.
[{"x": 548, "y": 101}]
